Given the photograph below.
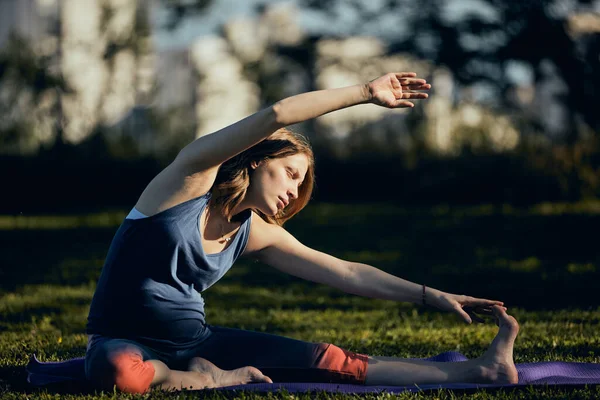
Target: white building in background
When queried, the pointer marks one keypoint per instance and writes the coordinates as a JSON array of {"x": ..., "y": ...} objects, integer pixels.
[{"x": 78, "y": 35}]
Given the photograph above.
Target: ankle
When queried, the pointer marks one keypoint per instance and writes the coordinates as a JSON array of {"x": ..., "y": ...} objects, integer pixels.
[
  {"x": 478, "y": 372},
  {"x": 487, "y": 374},
  {"x": 217, "y": 375}
]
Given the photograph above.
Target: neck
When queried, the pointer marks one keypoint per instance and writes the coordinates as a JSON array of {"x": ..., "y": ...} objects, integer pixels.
[
  {"x": 240, "y": 207},
  {"x": 244, "y": 205}
]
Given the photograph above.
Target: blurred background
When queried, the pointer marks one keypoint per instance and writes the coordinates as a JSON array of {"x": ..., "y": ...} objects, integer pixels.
[
  {"x": 96, "y": 96},
  {"x": 488, "y": 188}
]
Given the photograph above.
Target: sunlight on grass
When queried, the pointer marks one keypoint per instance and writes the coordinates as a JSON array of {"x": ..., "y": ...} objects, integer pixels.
[
  {"x": 320, "y": 214},
  {"x": 529, "y": 264},
  {"x": 574, "y": 268},
  {"x": 43, "y": 295},
  {"x": 584, "y": 207},
  {"x": 97, "y": 220}
]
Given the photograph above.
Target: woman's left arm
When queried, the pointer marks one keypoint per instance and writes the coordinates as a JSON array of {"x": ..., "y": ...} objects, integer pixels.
[
  {"x": 275, "y": 246},
  {"x": 372, "y": 282}
]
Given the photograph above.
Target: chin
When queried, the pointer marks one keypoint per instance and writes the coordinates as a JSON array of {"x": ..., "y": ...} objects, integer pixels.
[
  {"x": 271, "y": 211},
  {"x": 275, "y": 211}
]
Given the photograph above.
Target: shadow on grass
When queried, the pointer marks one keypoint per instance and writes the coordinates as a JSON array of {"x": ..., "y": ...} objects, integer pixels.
[{"x": 14, "y": 379}]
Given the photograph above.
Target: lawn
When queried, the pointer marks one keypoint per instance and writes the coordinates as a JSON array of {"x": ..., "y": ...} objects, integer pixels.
[{"x": 543, "y": 262}]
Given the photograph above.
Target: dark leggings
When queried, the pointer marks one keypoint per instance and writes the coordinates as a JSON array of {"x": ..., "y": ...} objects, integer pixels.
[
  {"x": 281, "y": 358},
  {"x": 112, "y": 360}
]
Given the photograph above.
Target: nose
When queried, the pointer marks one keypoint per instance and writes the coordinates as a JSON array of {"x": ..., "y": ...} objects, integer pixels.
[{"x": 293, "y": 193}]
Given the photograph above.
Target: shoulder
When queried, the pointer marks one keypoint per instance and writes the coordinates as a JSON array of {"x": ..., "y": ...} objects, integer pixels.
[
  {"x": 174, "y": 185},
  {"x": 263, "y": 235}
]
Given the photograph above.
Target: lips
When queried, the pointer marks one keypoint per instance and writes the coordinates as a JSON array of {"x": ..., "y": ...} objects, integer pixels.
[{"x": 283, "y": 201}]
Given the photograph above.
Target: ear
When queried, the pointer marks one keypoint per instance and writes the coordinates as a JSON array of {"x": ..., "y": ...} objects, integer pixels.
[{"x": 254, "y": 164}]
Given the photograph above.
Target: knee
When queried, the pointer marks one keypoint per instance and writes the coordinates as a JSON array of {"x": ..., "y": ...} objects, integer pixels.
[{"x": 131, "y": 373}]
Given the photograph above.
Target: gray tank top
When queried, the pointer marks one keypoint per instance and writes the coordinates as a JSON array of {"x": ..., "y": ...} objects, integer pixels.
[{"x": 149, "y": 288}]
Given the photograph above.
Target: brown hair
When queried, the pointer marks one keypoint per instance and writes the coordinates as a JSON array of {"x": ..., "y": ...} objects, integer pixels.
[{"x": 233, "y": 178}]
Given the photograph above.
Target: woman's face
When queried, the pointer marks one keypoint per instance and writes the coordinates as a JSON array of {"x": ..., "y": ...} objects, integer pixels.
[{"x": 274, "y": 182}]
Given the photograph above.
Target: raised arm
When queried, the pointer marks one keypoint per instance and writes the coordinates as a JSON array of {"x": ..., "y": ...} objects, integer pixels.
[
  {"x": 275, "y": 246},
  {"x": 195, "y": 168},
  {"x": 394, "y": 90}
]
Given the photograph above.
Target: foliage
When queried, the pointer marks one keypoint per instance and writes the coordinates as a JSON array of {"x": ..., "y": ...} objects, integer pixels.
[
  {"x": 26, "y": 81},
  {"x": 478, "y": 47},
  {"x": 19, "y": 61}
]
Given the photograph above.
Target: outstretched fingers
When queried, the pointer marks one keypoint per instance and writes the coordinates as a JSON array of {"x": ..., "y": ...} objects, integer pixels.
[
  {"x": 464, "y": 315},
  {"x": 401, "y": 75},
  {"x": 410, "y": 89},
  {"x": 470, "y": 314},
  {"x": 475, "y": 302},
  {"x": 417, "y": 86},
  {"x": 412, "y": 82},
  {"x": 492, "y": 311},
  {"x": 475, "y": 312},
  {"x": 403, "y": 103},
  {"x": 414, "y": 95}
]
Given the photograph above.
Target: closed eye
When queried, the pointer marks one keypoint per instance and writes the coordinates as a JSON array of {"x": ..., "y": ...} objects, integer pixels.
[{"x": 294, "y": 175}]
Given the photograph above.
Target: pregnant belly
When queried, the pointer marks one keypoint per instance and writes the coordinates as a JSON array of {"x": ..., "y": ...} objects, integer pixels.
[{"x": 171, "y": 314}]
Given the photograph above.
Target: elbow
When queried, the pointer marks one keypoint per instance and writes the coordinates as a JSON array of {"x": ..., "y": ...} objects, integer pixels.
[
  {"x": 278, "y": 114},
  {"x": 351, "y": 276}
]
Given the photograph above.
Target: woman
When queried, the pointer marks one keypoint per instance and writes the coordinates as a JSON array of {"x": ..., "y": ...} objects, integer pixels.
[{"x": 227, "y": 195}]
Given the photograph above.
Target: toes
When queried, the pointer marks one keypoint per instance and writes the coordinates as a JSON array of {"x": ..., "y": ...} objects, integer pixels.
[
  {"x": 253, "y": 375},
  {"x": 263, "y": 379},
  {"x": 258, "y": 377},
  {"x": 505, "y": 320},
  {"x": 500, "y": 315},
  {"x": 498, "y": 310}
]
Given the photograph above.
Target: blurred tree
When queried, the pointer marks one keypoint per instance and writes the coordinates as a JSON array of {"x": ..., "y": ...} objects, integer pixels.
[
  {"x": 491, "y": 33},
  {"x": 541, "y": 32},
  {"x": 560, "y": 38},
  {"x": 478, "y": 46},
  {"x": 27, "y": 85}
]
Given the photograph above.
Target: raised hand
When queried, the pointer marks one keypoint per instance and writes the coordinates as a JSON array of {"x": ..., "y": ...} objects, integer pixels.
[{"x": 396, "y": 90}]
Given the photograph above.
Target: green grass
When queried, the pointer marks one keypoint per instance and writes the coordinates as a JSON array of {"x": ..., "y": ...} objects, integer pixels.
[{"x": 543, "y": 262}]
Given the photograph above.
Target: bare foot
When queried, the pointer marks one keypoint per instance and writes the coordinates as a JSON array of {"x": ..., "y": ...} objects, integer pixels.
[
  {"x": 497, "y": 363},
  {"x": 219, "y": 377}
]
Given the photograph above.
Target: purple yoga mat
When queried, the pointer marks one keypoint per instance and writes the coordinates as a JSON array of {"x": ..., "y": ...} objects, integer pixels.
[{"x": 70, "y": 373}]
